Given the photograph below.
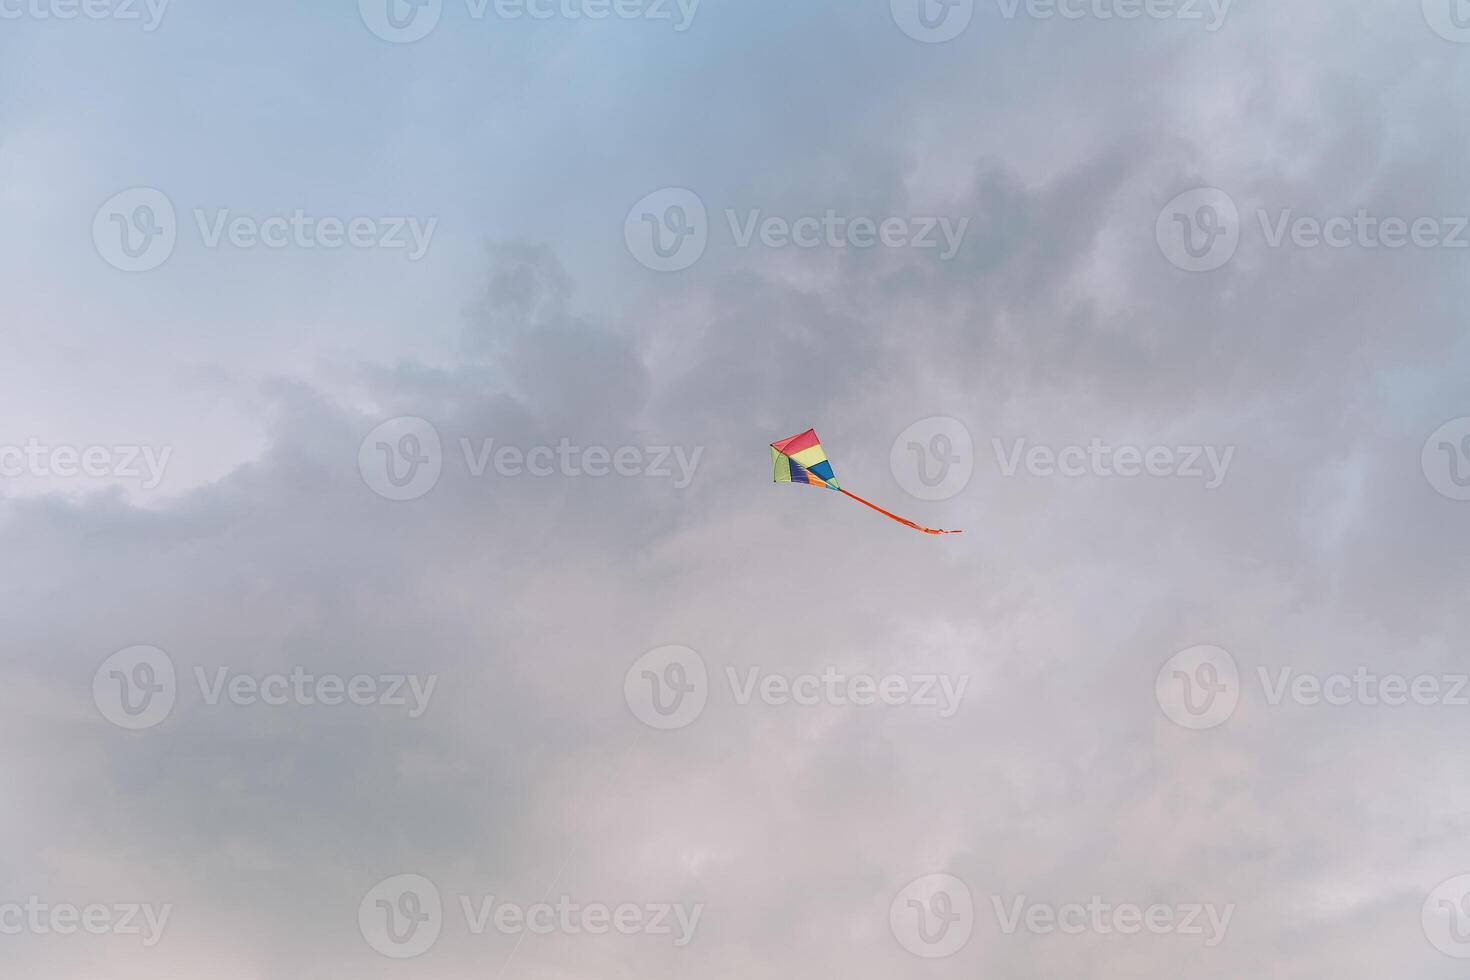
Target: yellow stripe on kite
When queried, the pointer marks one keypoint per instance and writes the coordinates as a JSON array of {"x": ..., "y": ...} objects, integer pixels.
[{"x": 810, "y": 457}]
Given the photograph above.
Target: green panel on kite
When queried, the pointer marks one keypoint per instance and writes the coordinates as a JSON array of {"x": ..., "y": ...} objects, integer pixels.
[{"x": 781, "y": 466}]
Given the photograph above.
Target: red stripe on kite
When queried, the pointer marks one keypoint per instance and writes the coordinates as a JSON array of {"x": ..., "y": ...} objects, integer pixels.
[{"x": 797, "y": 443}]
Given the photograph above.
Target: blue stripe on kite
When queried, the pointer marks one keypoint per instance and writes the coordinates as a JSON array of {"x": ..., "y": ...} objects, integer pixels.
[{"x": 823, "y": 470}]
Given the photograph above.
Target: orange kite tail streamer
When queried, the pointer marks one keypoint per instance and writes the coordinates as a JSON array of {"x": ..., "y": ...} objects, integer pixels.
[{"x": 907, "y": 523}]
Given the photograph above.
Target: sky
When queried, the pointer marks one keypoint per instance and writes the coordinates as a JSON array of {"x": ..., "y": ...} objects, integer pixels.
[{"x": 394, "y": 587}]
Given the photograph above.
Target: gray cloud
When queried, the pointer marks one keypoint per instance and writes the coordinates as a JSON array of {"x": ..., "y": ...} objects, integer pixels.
[{"x": 1059, "y": 779}]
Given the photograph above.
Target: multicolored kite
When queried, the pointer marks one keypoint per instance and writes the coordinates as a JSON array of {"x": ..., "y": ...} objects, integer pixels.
[{"x": 801, "y": 459}]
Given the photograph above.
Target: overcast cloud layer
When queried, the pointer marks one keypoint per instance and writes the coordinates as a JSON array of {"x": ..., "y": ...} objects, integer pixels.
[{"x": 388, "y": 544}]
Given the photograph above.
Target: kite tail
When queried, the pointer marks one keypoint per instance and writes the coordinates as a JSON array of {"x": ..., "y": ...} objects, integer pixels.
[{"x": 907, "y": 523}]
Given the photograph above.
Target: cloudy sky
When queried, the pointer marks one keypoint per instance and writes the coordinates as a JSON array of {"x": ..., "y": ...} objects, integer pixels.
[{"x": 393, "y": 582}]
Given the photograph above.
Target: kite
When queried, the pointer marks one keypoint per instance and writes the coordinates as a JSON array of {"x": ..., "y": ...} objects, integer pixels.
[{"x": 801, "y": 459}]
